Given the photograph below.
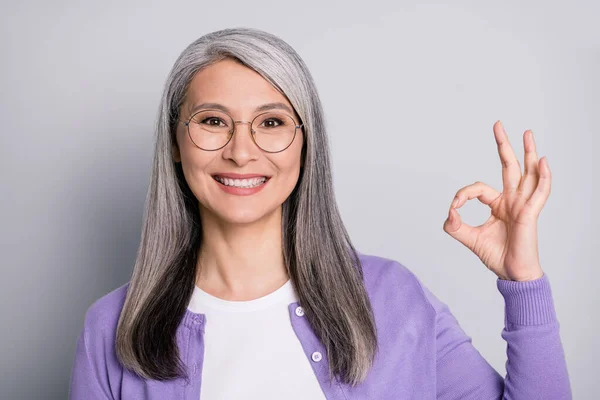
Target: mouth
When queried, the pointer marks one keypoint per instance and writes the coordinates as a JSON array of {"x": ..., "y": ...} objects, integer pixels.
[{"x": 246, "y": 183}]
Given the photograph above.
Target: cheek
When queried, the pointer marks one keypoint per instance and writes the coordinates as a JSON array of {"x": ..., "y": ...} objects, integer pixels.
[
  {"x": 194, "y": 165},
  {"x": 289, "y": 166}
]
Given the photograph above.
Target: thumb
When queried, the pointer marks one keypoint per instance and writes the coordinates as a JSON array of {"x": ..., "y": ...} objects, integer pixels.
[{"x": 460, "y": 231}]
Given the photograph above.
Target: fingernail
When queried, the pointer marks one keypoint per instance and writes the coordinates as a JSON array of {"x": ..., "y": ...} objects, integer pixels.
[{"x": 455, "y": 202}]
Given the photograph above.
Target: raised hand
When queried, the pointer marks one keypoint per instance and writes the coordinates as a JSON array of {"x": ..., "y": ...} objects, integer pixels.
[{"x": 507, "y": 242}]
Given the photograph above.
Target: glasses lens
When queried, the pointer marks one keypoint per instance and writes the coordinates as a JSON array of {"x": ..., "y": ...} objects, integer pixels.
[
  {"x": 273, "y": 131},
  {"x": 210, "y": 129}
]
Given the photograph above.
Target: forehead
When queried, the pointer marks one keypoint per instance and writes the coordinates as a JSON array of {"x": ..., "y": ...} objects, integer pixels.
[{"x": 237, "y": 87}]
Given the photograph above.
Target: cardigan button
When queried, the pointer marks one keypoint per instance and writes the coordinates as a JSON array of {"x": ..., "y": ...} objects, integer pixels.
[
  {"x": 299, "y": 311},
  {"x": 316, "y": 356}
]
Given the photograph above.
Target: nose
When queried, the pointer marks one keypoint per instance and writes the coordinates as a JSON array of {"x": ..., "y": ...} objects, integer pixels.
[{"x": 241, "y": 148}]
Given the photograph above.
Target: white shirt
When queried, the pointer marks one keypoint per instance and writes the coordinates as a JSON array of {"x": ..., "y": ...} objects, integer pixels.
[{"x": 251, "y": 350}]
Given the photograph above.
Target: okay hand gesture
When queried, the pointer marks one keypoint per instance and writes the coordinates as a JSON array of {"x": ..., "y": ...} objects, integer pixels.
[{"x": 507, "y": 242}]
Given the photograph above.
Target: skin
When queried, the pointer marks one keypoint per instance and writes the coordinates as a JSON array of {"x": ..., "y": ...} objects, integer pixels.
[
  {"x": 241, "y": 254},
  {"x": 507, "y": 242}
]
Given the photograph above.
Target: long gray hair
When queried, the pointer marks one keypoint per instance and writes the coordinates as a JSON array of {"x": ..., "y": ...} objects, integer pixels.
[{"x": 322, "y": 263}]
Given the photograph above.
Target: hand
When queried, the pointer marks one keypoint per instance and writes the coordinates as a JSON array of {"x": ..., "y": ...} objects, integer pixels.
[{"x": 507, "y": 242}]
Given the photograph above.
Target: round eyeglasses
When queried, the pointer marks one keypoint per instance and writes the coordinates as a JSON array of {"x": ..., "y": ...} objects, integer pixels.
[{"x": 272, "y": 131}]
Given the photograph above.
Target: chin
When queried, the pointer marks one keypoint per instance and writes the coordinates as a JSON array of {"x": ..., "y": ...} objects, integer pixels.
[{"x": 243, "y": 216}]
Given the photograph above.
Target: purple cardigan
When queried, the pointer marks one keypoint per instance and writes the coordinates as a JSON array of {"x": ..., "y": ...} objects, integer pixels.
[{"x": 423, "y": 352}]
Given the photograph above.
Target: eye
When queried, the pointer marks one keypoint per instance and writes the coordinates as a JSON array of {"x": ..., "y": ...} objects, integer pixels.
[
  {"x": 214, "y": 121},
  {"x": 272, "y": 122}
]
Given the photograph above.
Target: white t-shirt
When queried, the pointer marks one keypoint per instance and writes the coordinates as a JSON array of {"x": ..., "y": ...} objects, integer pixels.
[{"x": 251, "y": 350}]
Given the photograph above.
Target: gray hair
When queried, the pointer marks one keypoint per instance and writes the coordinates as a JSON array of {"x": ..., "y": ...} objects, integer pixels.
[{"x": 322, "y": 263}]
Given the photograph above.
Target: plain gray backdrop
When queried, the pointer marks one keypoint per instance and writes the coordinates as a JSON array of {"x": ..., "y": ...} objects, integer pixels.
[{"x": 411, "y": 92}]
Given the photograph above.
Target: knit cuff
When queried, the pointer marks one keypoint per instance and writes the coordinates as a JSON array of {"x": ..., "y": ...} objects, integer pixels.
[{"x": 527, "y": 302}]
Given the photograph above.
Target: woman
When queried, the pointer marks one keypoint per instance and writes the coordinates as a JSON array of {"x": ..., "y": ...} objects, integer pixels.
[{"x": 246, "y": 283}]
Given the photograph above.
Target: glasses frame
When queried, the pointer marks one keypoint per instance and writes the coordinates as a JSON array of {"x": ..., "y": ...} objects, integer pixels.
[{"x": 233, "y": 130}]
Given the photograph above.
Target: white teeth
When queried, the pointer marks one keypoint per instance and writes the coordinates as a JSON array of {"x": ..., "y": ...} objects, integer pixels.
[{"x": 243, "y": 183}]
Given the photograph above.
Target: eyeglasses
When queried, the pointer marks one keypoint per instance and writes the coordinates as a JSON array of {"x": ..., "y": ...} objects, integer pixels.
[{"x": 272, "y": 131}]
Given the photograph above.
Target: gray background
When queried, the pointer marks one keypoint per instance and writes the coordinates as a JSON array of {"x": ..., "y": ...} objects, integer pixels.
[{"x": 410, "y": 91}]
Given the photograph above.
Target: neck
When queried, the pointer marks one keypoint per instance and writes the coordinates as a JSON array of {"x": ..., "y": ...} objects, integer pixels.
[{"x": 241, "y": 261}]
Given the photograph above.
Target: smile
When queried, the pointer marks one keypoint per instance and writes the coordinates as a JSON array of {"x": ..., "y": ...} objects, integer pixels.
[{"x": 241, "y": 183}]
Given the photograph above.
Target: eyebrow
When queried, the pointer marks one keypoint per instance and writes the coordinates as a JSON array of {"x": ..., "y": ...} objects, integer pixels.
[{"x": 264, "y": 107}]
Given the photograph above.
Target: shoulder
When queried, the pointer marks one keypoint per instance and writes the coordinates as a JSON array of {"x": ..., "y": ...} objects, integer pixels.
[
  {"x": 391, "y": 285},
  {"x": 95, "y": 363},
  {"x": 385, "y": 273},
  {"x": 104, "y": 313}
]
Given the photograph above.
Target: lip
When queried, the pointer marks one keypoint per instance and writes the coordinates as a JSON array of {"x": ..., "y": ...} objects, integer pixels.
[
  {"x": 238, "y": 190},
  {"x": 239, "y": 176}
]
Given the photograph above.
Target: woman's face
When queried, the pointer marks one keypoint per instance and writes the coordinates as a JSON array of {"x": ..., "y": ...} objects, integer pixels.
[{"x": 240, "y": 90}]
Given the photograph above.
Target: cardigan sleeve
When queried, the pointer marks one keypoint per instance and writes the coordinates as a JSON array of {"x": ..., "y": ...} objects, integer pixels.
[
  {"x": 86, "y": 381},
  {"x": 536, "y": 366}
]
